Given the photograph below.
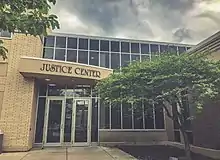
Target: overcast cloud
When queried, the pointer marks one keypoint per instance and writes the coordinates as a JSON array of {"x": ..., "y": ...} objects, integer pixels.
[{"x": 185, "y": 21}]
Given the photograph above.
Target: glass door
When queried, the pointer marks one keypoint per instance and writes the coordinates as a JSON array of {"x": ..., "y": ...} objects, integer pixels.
[
  {"x": 82, "y": 122},
  {"x": 54, "y": 121}
]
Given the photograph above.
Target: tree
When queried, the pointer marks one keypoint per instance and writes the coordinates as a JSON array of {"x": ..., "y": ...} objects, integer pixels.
[
  {"x": 26, "y": 16},
  {"x": 166, "y": 80}
]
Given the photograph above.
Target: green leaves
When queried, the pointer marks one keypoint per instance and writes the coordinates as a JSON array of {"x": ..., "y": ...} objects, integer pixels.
[{"x": 27, "y": 16}]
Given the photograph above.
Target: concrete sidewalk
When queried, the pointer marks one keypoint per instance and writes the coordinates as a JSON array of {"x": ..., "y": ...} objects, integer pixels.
[{"x": 74, "y": 153}]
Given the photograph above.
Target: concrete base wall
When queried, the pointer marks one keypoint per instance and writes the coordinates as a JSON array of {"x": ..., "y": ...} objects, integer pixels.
[{"x": 132, "y": 136}]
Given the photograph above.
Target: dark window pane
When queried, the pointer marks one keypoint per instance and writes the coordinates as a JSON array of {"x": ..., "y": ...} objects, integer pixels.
[
  {"x": 104, "y": 45},
  {"x": 125, "y": 47},
  {"x": 5, "y": 34},
  {"x": 145, "y": 57},
  {"x": 40, "y": 120},
  {"x": 188, "y": 48},
  {"x": 82, "y": 91},
  {"x": 94, "y": 44},
  {"x": 83, "y": 43},
  {"x": 72, "y": 55},
  {"x": 159, "y": 116},
  {"x": 56, "y": 91},
  {"x": 94, "y": 128},
  {"x": 49, "y": 41},
  {"x": 72, "y": 43},
  {"x": 83, "y": 57},
  {"x": 145, "y": 48},
  {"x": 115, "y": 60},
  {"x": 116, "y": 116},
  {"x": 135, "y": 57},
  {"x": 61, "y": 42},
  {"x": 164, "y": 48},
  {"x": 138, "y": 116},
  {"x": 135, "y": 48},
  {"x": 148, "y": 116},
  {"x": 42, "y": 89},
  {"x": 114, "y": 46},
  {"x": 177, "y": 136},
  {"x": 68, "y": 120},
  {"x": 94, "y": 58},
  {"x": 60, "y": 54},
  {"x": 104, "y": 59},
  {"x": 104, "y": 115},
  {"x": 48, "y": 53},
  {"x": 127, "y": 115},
  {"x": 174, "y": 112},
  {"x": 125, "y": 59},
  {"x": 154, "y": 48},
  {"x": 182, "y": 49},
  {"x": 172, "y": 49}
]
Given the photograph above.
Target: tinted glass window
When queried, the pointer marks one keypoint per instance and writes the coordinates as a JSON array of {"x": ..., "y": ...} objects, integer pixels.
[
  {"x": 114, "y": 46},
  {"x": 135, "y": 48},
  {"x": 145, "y": 48},
  {"x": 149, "y": 116},
  {"x": 125, "y": 47},
  {"x": 188, "y": 48},
  {"x": 145, "y": 57},
  {"x": 83, "y": 43},
  {"x": 48, "y": 53},
  {"x": 135, "y": 57},
  {"x": 181, "y": 49},
  {"x": 104, "y": 115},
  {"x": 72, "y": 55},
  {"x": 94, "y": 58},
  {"x": 154, "y": 48},
  {"x": 72, "y": 43},
  {"x": 60, "y": 54},
  {"x": 94, "y": 44},
  {"x": 163, "y": 48},
  {"x": 49, "y": 41},
  {"x": 115, "y": 60},
  {"x": 125, "y": 59},
  {"x": 104, "y": 59},
  {"x": 116, "y": 116},
  {"x": 61, "y": 42},
  {"x": 173, "y": 49},
  {"x": 127, "y": 115},
  {"x": 159, "y": 117},
  {"x": 83, "y": 57},
  {"x": 104, "y": 45},
  {"x": 138, "y": 116}
]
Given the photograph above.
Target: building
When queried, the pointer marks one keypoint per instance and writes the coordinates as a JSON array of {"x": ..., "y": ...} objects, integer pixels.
[{"x": 47, "y": 96}]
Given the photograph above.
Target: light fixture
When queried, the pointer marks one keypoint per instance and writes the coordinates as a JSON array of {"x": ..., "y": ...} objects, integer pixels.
[
  {"x": 52, "y": 84},
  {"x": 47, "y": 79}
]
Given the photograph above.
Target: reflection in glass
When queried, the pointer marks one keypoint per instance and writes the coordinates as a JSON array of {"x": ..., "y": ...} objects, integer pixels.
[
  {"x": 163, "y": 48},
  {"x": 71, "y": 55},
  {"x": 116, "y": 116},
  {"x": 145, "y": 58},
  {"x": 48, "y": 53},
  {"x": 104, "y": 115},
  {"x": 56, "y": 91},
  {"x": 61, "y": 42},
  {"x": 54, "y": 121},
  {"x": 60, "y": 54},
  {"x": 68, "y": 120},
  {"x": 49, "y": 41},
  {"x": 159, "y": 116},
  {"x": 83, "y": 57},
  {"x": 115, "y": 60},
  {"x": 94, "y": 44},
  {"x": 114, "y": 46},
  {"x": 145, "y": 48},
  {"x": 40, "y": 120},
  {"x": 182, "y": 49},
  {"x": 148, "y": 116},
  {"x": 104, "y": 59},
  {"x": 138, "y": 116},
  {"x": 83, "y": 43},
  {"x": 82, "y": 91},
  {"x": 81, "y": 120},
  {"x": 125, "y": 59},
  {"x": 94, "y": 58},
  {"x": 104, "y": 45},
  {"x": 135, "y": 48},
  {"x": 125, "y": 47},
  {"x": 94, "y": 129},
  {"x": 154, "y": 48},
  {"x": 135, "y": 57},
  {"x": 172, "y": 49},
  {"x": 72, "y": 43}
]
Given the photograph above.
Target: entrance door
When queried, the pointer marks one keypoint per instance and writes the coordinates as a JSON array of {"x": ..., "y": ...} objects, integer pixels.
[
  {"x": 82, "y": 122},
  {"x": 54, "y": 121}
]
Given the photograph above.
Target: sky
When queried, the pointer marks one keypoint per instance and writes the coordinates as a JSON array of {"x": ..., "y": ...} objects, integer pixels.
[{"x": 180, "y": 21}]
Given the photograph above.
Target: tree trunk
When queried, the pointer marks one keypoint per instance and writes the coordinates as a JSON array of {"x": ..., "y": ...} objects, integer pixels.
[{"x": 186, "y": 144}]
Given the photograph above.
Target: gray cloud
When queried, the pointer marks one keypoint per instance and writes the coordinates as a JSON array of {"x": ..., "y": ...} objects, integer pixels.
[{"x": 164, "y": 20}]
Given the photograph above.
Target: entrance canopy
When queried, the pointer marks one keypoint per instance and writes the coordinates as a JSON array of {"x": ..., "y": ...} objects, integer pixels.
[{"x": 60, "y": 70}]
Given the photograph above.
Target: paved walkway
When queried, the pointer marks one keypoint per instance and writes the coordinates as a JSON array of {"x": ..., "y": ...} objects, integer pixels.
[{"x": 75, "y": 153}]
